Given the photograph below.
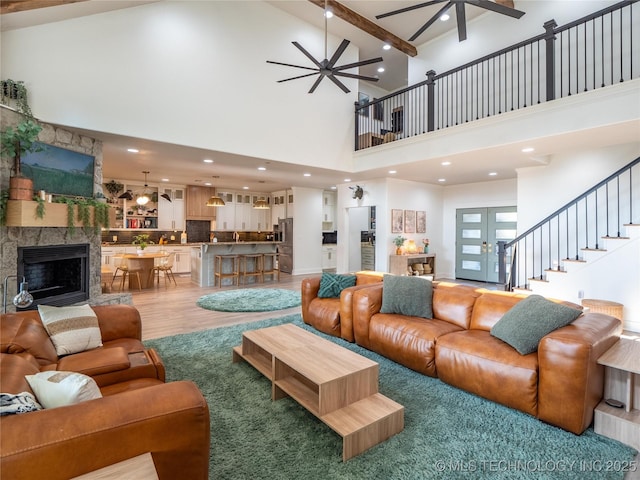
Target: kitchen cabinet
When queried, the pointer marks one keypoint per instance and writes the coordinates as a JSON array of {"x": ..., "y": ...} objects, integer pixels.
[
  {"x": 197, "y": 198},
  {"x": 182, "y": 260},
  {"x": 260, "y": 218},
  {"x": 171, "y": 214},
  {"x": 329, "y": 257},
  {"x": 328, "y": 211},
  {"x": 243, "y": 208},
  {"x": 278, "y": 207},
  {"x": 225, "y": 216}
]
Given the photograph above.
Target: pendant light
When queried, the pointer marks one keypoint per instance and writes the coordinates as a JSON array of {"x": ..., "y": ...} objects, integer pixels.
[
  {"x": 261, "y": 204},
  {"x": 215, "y": 200},
  {"x": 144, "y": 198}
]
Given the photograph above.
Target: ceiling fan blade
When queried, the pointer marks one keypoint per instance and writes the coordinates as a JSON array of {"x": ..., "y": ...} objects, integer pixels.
[
  {"x": 462, "y": 22},
  {"x": 289, "y": 65},
  {"x": 316, "y": 83},
  {"x": 357, "y": 64},
  {"x": 495, "y": 7},
  {"x": 300, "y": 76},
  {"x": 307, "y": 54},
  {"x": 408, "y": 9},
  {"x": 338, "y": 83},
  {"x": 431, "y": 21},
  {"x": 358, "y": 77},
  {"x": 343, "y": 46}
]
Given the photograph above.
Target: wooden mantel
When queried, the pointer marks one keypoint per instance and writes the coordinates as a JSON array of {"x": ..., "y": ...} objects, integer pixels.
[{"x": 22, "y": 213}]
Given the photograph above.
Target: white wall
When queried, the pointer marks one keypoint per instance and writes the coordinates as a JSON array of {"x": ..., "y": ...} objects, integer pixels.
[
  {"x": 499, "y": 193},
  {"x": 190, "y": 73},
  {"x": 542, "y": 190}
]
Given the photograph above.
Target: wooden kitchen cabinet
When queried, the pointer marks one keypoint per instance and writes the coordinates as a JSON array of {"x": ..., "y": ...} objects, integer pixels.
[{"x": 197, "y": 198}]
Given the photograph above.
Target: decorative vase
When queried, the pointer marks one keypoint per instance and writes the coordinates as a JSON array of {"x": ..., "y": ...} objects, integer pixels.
[
  {"x": 140, "y": 251},
  {"x": 426, "y": 249},
  {"x": 398, "y": 250}
]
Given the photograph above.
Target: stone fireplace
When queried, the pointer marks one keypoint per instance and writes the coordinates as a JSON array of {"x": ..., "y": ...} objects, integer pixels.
[{"x": 15, "y": 239}]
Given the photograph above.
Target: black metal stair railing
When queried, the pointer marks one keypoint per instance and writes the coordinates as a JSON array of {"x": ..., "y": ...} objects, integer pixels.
[
  {"x": 593, "y": 52},
  {"x": 600, "y": 212}
]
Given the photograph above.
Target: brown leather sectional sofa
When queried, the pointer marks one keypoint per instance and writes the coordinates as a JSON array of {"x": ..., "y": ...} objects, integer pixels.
[
  {"x": 560, "y": 384},
  {"x": 333, "y": 315},
  {"x": 138, "y": 413}
]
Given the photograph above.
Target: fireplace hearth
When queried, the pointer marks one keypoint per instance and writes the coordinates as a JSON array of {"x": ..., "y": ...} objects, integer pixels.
[{"x": 57, "y": 274}]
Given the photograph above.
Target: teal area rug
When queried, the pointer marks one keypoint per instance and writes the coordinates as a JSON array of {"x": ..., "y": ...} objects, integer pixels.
[
  {"x": 448, "y": 433},
  {"x": 250, "y": 300}
]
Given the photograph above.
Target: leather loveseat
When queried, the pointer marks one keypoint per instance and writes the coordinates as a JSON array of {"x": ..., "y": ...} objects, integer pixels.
[
  {"x": 561, "y": 383},
  {"x": 138, "y": 412},
  {"x": 333, "y": 315}
]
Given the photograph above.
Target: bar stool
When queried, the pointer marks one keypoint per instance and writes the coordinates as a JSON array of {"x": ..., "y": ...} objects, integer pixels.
[
  {"x": 270, "y": 266},
  {"x": 258, "y": 266},
  {"x": 218, "y": 268}
]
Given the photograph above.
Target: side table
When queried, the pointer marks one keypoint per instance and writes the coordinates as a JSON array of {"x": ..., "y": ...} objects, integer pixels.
[{"x": 622, "y": 383}]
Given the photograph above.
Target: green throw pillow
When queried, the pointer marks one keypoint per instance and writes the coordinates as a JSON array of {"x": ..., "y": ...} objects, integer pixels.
[
  {"x": 524, "y": 325},
  {"x": 332, "y": 284},
  {"x": 411, "y": 296}
]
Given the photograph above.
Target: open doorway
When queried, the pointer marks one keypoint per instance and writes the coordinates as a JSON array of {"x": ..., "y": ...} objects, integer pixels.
[{"x": 361, "y": 238}]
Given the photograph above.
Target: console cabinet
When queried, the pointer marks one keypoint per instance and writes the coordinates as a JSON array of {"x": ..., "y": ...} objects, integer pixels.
[{"x": 400, "y": 264}]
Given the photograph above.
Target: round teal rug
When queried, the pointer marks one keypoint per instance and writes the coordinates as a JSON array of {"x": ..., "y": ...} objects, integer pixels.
[{"x": 250, "y": 300}]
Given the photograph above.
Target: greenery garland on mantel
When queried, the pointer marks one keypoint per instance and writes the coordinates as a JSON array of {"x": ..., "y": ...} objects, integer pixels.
[{"x": 100, "y": 217}]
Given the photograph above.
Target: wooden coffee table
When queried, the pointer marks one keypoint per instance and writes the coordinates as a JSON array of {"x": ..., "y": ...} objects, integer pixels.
[{"x": 336, "y": 385}]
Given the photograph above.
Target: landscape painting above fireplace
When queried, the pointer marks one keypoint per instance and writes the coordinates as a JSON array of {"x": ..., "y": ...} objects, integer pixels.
[{"x": 59, "y": 170}]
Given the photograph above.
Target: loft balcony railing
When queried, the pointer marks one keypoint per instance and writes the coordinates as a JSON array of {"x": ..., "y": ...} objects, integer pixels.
[
  {"x": 593, "y": 52},
  {"x": 600, "y": 212}
]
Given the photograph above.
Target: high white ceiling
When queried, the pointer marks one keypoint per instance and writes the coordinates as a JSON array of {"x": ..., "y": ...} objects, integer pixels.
[{"x": 237, "y": 172}]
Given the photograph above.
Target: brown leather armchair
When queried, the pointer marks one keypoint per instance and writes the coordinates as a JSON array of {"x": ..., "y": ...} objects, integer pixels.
[
  {"x": 138, "y": 412},
  {"x": 333, "y": 316}
]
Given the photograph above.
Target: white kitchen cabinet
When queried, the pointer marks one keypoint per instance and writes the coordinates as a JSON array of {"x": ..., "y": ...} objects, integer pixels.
[
  {"x": 243, "y": 209},
  {"x": 182, "y": 260},
  {"x": 328, "y": 211},
  {"x": 225, "y": 216},
  {"x": 171, "y": 214},
  {"x": 329, "y": 257}
]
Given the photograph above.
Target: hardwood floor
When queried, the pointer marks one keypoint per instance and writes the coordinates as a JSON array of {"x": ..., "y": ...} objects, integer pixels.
[{"x": 172, "y": 309}]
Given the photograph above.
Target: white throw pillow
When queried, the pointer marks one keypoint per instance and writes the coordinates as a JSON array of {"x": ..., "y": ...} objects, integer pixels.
[
  {"x": 57, "y": 389},
  {"x": 72, "y": 329}
]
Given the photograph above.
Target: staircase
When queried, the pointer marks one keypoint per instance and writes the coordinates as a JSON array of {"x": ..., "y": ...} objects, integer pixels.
[{"x": 589, "y": 248}]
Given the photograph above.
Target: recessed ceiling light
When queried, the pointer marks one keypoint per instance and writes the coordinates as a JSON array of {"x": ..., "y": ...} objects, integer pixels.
[
  {"x": 245, "y": 188},
  {"x": 442, "y": 179},
  {"x": 133, "y": 150},
  {"x": 328, "y": 14},
  {"x": 493, "y": 174},
  {"x": 347, "y": 179},
  {"x": 528, "y": 149},
  {"x": 386, "y": 46},
  {"x": 380, "y": 69},
  {"x": 445, "y": 163},
  {"x": 392, "y": 172},
  {"x": 334, "y": 187},
  {"x": 444, "y": 17},
  {"x": 262, "y": 169},
  {"x": 307, "y": 174},
  {"x": 208, "y": 184},
  {"x": 165, "y": 179},
  {"x": 207, "y": 160}
]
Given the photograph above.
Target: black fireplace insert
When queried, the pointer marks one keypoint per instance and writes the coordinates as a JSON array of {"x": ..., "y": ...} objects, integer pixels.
[{"x": 57, "y": 274}]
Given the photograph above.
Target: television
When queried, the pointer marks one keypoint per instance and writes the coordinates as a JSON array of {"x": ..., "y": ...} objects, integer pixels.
[{"x": 59, "y": 170}]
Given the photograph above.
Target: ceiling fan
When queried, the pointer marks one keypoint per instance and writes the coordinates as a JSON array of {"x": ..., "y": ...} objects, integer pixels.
[
  {"x": 327, "y": 68},
  {"x": 504, "y": 7}
]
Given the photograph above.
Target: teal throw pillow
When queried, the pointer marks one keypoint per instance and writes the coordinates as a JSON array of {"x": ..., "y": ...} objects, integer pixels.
[
  {"x": 332, "y": 284},
  {"x": 411, "y": 296},
  {"x": 524, "y": 325}
]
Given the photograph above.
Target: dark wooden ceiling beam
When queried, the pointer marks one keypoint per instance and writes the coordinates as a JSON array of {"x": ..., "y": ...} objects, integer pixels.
[
  {"x": 12, "y": 6},
  {"x": 367, "y": 26}
]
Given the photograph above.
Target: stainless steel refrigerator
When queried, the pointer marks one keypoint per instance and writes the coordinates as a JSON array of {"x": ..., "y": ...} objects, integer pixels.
[{"x": 285, "y": 249}]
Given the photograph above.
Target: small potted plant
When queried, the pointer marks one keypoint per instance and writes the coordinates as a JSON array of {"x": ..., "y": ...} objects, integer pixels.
[
  {"x": 425, "y": 242},
  {"x": 141, "y": 241},
  {"x": 399, "y": 242}
]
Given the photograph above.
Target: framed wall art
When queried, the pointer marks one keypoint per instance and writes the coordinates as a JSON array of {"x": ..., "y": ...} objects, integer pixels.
[
  {"x": 397, "y": 222},
  {"x": 421, "y": 221},
  {"x": 409, "y": 221}
]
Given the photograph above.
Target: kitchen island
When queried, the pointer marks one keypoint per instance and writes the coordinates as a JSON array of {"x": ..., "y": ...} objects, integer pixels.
[{"x": 202, "y": 258}]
